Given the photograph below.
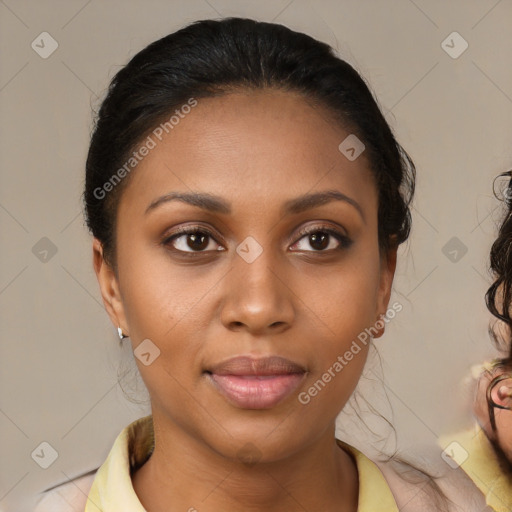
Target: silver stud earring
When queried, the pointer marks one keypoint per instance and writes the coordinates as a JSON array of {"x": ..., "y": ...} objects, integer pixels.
[{"x": 121, "y": 334}]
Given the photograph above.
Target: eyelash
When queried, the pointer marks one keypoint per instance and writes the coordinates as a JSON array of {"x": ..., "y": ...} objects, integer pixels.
[{"x": 344, "y": 241}]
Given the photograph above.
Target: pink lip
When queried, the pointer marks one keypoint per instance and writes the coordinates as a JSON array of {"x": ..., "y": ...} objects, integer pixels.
[{"x": 251, "y": 383}]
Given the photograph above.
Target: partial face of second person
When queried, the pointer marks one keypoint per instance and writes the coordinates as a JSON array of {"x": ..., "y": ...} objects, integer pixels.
[
  {"x": 201, "y": 302},
  {"x": 502, "y": 435}
]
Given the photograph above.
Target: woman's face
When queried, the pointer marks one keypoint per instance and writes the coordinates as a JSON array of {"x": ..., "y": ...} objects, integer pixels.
[
  {"x": 502, "y": 436},
  {"x": 251, "y": 284}
]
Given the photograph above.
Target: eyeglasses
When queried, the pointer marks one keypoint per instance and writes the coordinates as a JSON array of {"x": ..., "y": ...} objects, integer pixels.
[
  {"x": 507, "y": 193},
  {"x": 499, "y": 395}
]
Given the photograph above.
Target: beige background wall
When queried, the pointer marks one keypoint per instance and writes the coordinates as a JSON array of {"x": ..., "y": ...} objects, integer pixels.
[{"x": 59, "y": 355}]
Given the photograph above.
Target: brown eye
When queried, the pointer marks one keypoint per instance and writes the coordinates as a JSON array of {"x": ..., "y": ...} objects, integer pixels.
[
  {"x": 322, "y": 239},
  {"x": 319, "y": 240},
  {"x": 192, "y": 240}
]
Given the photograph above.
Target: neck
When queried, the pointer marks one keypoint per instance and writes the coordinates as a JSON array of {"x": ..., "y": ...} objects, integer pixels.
[{"x": 185, "y": 474}]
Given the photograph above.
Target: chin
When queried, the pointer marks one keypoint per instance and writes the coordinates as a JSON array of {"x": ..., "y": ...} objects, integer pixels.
[{"x": 267, "y": 444}]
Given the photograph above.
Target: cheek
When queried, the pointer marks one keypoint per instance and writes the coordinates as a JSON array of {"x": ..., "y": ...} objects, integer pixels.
[
  {"x": 166, "y": 311},
  {"x": 159, "y": 297},
  {"x": 345, "y": 298},
  {"x": 328, "y": 389},
  {"x": 344, "y": 310},
  {"x": 504, "y": 427},
  {"x": 162, "y": 304}
]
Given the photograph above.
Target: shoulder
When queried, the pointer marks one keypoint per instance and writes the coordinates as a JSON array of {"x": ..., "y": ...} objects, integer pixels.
[
  {"x": 473, "y": 452},
  {"x": 70, "y": 496},
  {"x": 130, "y": 450},
  {"x": 395, "y": 484}
]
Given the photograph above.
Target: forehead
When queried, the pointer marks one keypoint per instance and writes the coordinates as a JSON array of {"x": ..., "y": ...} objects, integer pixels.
[{"x": 260, "y": 147}]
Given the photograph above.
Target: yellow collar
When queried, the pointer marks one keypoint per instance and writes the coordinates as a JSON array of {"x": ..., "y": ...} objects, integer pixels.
[{"x": 112, "y": 489}]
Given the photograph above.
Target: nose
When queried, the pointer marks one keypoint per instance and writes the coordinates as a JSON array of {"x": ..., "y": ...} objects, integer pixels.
[{"x": 258, "y": 296}]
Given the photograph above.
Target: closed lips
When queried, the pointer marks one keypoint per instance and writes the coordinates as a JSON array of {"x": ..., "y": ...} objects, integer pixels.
[
  {"x": 244, "y": 365},
  {"x": 251, "y": 383}
]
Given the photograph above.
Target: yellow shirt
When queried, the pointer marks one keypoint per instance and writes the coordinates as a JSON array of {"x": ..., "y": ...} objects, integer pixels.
[
  {"x": 478, "y": 460},
  {"x": 112, "y": 489}
]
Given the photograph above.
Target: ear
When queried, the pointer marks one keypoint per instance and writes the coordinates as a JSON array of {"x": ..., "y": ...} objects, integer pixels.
[
  {"x": 502, "y": 392},
  {"x": 387, "y": 273},
  {"x": 109, "y": 287}
]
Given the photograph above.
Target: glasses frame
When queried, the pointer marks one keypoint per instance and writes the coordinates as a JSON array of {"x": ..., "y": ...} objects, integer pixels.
[{"x": 491, "y": 404}]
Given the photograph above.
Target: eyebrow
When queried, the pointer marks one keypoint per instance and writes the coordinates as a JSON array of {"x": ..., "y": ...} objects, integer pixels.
[{"x": 217, "y": 204}]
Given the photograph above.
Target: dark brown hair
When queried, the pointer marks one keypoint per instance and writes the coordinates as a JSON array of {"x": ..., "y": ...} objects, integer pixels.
[{"x": 498, "y": 297}]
